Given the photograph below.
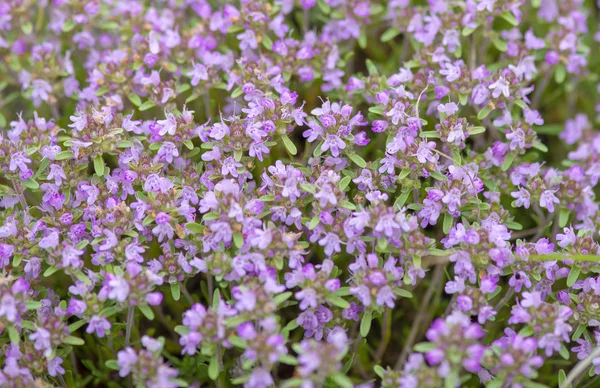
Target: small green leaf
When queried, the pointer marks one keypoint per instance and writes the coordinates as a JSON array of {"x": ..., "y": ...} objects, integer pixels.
[
  {"x": 476, "y": 130},
  {"x": 33, "y": 305},
  {"x": 279, "y": 299},
  {"x": 75, "y": 341},
  {"x": 213, "y": 368},
  {"x": 371, "y": 68},
  {"x": 194, "y": 228},
  {"x": 99, "y": 165},
  {"x": 147, "y": 105},
  {"x": 289, "y": 144},
  {"x": 403, "y": 293},
  {"x": 500, "y": 44},
  {"x": 389, "y": 34},
  {"x": 485, "y": 112},
  {"x": 344, "y": 182},
  {"x": 135, "y": 99},
  {"x": 423, "y": 347},
  {"x": 564, "y": 217},
  {"x": 64, "y": 155},
  {"x": 112, "y": 364},
  {"x": 448, "y": 221},
  {"x": 337, "y": 301},
  {"x": 539, "y": 146},
  {"x": 31, "y": 184},
  {"x": 341, "y": 380},
  {"x": 508, "y": 162},
  {"x": 147, "y": 311},
  {"x": 314, "y": 222},
  {"x": 509, "y": 17},
  {"x": 238, "y": 239},
  {"x": 365, "y": 323},
  {"x": 358, "y": 160},
  {"x": 14, "y": 335},
  {"x": 573, "y": 276},
  {"x": 175, "y": 291}
]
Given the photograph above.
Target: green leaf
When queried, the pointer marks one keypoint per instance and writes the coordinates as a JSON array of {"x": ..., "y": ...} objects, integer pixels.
[
  {"x": 362, "y": 40},
  {"x": 509, "y": 17},
  {"x": 181, "y": 330},
  {"x": 337, "y": 301},
  {"x": 238, "y": 239},
  {"x": 147, "y": 105},
  {"x": 448, "y": 221},
  {"x": 508, "y": 162},
  {"x": 68, "y": 26},
  {"x": 579, "y": 331},
  {"x": 175, "y": 291},
  {"x": 573, "y": 276},
  {"x": 423, "y": 347},
  {"x": 438, "y": 176},
  {"x": 342, "y": 380},
  {"x": 288, "y": 359},
  {"x": 365, "y": 323},
  {"x": 560, "y": 73},
  {"x": 64, "y": 155},
  {"x": 485, "y": 112},
  {"x": 549, "y": 129},
  {"x": 112, "y": 364},
  {"x": 135, "y": 99},
  {"x": 389, "y": 34},
  {"x": 344, "y": 182},
  {"x": 475, "y": 130},
  {"x": 564, "y": 217},
  {"x": 562, "y": 377},
  {"x": 289, "y": 144},
  {"x": 14, "y": 335},
  {"x": 194, "y": 227},
  {"x": 403, "y": 293},
  {"x": 73, "y": 327},
  {"x": 379, "y": 371},
  {"x": 539, "y": 146},
  {"x": 99, "y": 165},
  {"x": 237, "y": 92},
  {"x": 376, "y": 110},
  {"x": 147, "y": 311},
  {"x": 238, "y": 342},
  {"x": 267, "y": 42},
  {"x": 31, "y": 184},
  {"x": 500, "y": 44},
  {"x": 33, "y": 305},
  {"x": 564, "y": 352},
  {"x": 308, "y": 188},
  {"x": 371, "y": 68},
  {"x": 213, "y": 368},
  {"x": 50, "y": 271},
  {"x": 314, "y": 222},
  {"x": 279, "y": 299},
  {"x": 358, "y": 160},
  {"x": 75, "y": 341}
]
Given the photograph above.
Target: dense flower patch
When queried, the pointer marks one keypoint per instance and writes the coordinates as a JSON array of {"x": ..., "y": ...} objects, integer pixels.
[{"x": 312, "y": 193}]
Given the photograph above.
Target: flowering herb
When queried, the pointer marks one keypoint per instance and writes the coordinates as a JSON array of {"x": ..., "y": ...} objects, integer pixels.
[{"x": 312, "y": 193}]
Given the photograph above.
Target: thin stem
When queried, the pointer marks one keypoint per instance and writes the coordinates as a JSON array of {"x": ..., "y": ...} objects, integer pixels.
[
  {"x": 505, "y": 299},
  {"x": 23, "y": 201},
  {"x": 386, "y": 328},
  {"x": 436, "y": 278},
  {"x": 581, "y": 367},
  {"x": 129, "y": 325}
]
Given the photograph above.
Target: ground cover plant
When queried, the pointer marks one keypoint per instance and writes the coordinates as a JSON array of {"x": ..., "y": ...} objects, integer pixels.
[{"x": 299, "y": 193}]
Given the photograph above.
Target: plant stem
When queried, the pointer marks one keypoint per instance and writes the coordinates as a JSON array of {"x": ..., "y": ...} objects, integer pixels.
[
  {"x": 436, "y": 278},
  {"x": 129, "y": 325},
  {"x": 581, "y": 367}
]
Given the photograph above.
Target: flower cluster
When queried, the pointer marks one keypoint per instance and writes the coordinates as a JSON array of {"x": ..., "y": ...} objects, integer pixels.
[{"x": 299, "y": 193}]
